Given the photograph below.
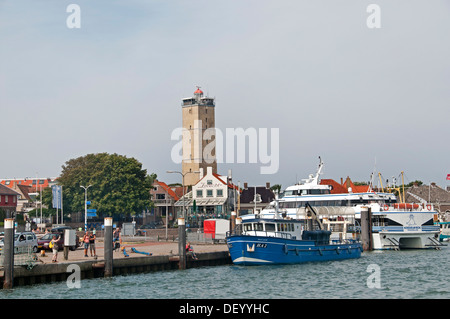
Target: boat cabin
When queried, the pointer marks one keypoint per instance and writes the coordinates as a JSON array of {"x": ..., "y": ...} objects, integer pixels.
[{"x": 283, "y": 228}]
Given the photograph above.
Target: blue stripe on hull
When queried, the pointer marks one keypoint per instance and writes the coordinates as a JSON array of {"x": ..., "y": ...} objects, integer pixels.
[{"x": 256, "y": 250}]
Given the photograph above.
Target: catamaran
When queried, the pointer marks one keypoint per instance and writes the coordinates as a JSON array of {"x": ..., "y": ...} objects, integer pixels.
[{"x": 394, "y": 225}]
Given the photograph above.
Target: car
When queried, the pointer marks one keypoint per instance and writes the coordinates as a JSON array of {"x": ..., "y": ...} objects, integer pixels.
[
  {"x": 44, "y": 241},
  {"x": 22, "y": 240}
]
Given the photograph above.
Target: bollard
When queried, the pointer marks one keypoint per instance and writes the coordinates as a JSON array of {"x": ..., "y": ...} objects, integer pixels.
[
  {"x": 366, "y": 228},
  {"x": 182, "y": 243},
  {"x": 108, "y": 243},
  {"x": 8, "y": 252}
]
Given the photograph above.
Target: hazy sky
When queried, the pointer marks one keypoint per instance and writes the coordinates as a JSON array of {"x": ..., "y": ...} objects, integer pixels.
[{"x": 363, "y": 99}]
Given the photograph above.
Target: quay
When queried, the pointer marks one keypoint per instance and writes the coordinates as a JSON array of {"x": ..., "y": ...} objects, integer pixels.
[{"x": 164, "y": 256}]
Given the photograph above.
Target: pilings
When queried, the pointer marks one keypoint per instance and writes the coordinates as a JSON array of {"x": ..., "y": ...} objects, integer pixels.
[
  {"x": 182, "y": 242},
  {"x": 47, "y": 273},
  {"x": 8, "y": 254},
  {"x": 366, "y": 228},
  {"x": 108, "y": 240}
]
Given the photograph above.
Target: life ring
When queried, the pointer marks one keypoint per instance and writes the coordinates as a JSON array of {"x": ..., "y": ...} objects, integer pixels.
[
  {"x": 385, "y": 207},
  {"x": 429, "y": 207}
]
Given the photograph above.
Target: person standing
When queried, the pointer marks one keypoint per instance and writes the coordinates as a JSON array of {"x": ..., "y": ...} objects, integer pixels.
[
  {"x": 117, "y": 239},
  {"x": 55, "y": 247},
  {"x": 92, "y": 238},
  {"x": 86, "y": 243}
]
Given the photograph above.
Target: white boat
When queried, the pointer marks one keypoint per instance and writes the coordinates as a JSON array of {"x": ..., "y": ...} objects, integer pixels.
[{"x": 394, "y": 225}]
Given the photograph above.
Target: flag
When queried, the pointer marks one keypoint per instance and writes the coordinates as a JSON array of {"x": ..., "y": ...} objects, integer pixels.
[
  {"x": 448, "y": 177},
  {"x": 57, "y": 196}
]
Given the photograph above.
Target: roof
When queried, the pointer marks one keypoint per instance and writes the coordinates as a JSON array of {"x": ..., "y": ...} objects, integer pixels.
[
  {"x": 230, "y": 185},
  {"x": 24, "y": 190},
  {"x": 168, "y": 190},
  {"x": 435, "y": 193},
  {"x": 338, "y": 188},
  {"x": 248, "y": 194},
  {"x": 44, "y": 182},
  {"x": 7, "y": 191},
  {"x": 198, "y": 91}
]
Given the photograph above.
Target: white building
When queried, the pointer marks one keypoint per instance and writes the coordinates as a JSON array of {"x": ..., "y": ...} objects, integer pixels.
[{"x": 213, "y": 196}]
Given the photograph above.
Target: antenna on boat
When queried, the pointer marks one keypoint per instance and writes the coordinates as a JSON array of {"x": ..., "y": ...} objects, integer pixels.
[{"x": 315, "y": 179}]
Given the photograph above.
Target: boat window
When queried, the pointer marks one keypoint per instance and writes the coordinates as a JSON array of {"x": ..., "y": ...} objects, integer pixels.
[
  {"x": 247, "y": 227},
  {"x": 258, "y": 226},
  {"x": 270, "y": 227}
]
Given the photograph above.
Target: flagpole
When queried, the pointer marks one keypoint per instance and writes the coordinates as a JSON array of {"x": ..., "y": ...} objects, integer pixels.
[{"x": 62, "y": 208}]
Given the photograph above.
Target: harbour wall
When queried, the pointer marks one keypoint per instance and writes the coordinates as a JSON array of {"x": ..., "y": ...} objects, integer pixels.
[{"x": 47, "y": 273}]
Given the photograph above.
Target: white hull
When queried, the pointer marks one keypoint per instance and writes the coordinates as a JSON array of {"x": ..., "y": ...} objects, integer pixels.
[{"x": 405, "y": 240}]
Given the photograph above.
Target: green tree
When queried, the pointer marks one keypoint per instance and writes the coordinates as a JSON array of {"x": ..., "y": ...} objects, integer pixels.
[{"x": 119, "y": 184}]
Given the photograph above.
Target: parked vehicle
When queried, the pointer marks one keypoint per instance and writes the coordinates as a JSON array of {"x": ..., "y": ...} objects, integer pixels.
[{"x": 23, "y": 240}]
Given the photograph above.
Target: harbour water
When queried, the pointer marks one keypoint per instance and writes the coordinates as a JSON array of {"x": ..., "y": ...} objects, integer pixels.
[{"x": 408, "y": 274}]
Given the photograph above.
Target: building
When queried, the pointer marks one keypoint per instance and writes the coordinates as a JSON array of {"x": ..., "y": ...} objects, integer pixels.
[
  {"x": 28, "y": 189},
  {"x": 164, "y": 198},
  {"x": 254, "y": 199},
  {"x": 35, "y": 183},
  {"x": 346, "y": 186},
  {"x": 213, "y": 196},
  {"x": 439, "y": 197},
  {"x": 8, "y": 200},
  {"x": 198, "y": 118}
]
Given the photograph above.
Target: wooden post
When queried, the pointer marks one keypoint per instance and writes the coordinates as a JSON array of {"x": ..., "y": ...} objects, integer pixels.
[
  {"x": 233, "y": 222},
  {"x": 8, "y": 254},
  {"x": 182, "y": 243},
  {"x": 366, "y": 228},
  {"x": 108, "y": 244}
]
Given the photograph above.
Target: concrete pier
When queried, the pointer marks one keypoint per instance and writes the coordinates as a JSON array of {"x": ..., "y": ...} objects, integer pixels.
[{"x": 164, "y": 257}]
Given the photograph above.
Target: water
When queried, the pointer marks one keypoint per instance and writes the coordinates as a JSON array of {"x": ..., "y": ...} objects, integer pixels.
[{"x": 402, "y": 274}]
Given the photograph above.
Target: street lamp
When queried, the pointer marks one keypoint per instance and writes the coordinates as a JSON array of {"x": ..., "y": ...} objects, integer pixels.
[
  {"x": 182, "y": 226},
  {"x": 85, "y": 205}
]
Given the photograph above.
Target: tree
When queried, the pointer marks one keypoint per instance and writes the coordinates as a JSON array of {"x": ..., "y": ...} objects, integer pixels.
[
  {"x": 119, "y": 184},
  {"x": 276, "y": 188}
]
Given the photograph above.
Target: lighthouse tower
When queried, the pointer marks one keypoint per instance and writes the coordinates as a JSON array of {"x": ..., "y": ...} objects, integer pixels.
[{"x": 199, "y": 136}]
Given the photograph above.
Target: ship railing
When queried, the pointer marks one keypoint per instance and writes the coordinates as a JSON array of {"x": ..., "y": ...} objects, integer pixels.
[{"x": 263, "y": 233}]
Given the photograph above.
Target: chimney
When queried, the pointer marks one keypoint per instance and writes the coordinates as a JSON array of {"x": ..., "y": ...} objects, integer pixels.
[{"x": 201, "y": 173}]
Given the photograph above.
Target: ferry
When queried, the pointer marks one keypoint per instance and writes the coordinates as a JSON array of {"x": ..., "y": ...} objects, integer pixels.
[
  {"x": 281, "y": 240},
  {"x": 394, "y": 225},
  {"x": 445, "y": 231}
]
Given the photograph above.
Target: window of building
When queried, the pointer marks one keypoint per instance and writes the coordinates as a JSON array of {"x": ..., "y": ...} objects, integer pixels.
[
  {"x": 209, "y": 182},
  {"x": 6, "y": 198},
  {"x": 219, "y": 192},
  {"x": 209, "y": 193},
  {"x": 199, "y": 193},
  {"x": 160, "y": 196}
]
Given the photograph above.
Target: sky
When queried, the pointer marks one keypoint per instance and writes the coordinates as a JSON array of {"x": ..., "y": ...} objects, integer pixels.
[{"x": 363, "y": 99}]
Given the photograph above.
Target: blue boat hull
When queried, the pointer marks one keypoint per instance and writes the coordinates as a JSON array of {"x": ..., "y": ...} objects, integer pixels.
[{"x": 259, "y": 250}]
